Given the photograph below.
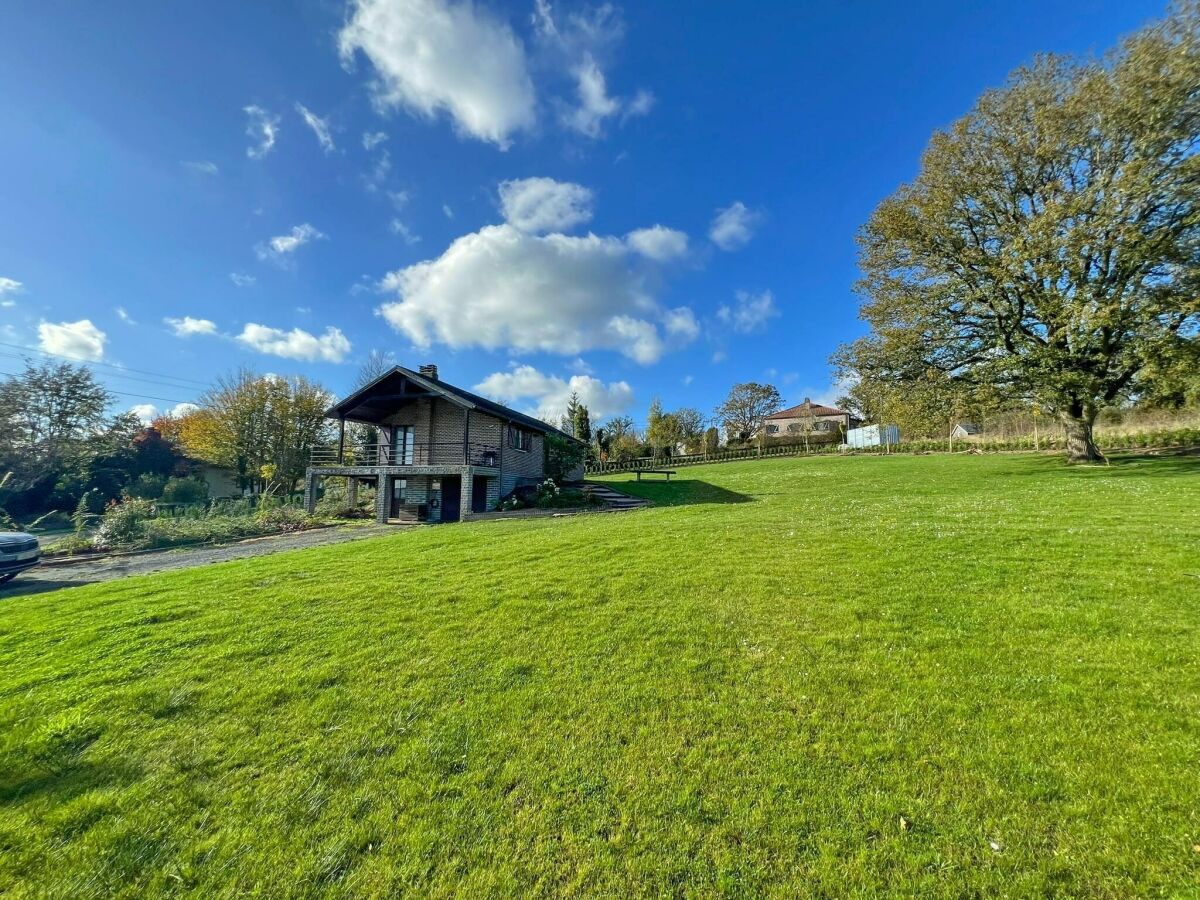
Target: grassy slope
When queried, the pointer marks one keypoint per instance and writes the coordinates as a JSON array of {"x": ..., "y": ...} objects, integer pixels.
[{"x": 713, "y": 696}]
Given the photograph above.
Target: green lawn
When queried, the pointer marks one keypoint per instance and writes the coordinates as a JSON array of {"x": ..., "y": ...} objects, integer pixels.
[{"x": 741, "y": 691}]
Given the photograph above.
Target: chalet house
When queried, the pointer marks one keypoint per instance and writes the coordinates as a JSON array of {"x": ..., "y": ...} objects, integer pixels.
[
  {"x": 820, "y": 422},
  {"x": 435, "y": 453}
]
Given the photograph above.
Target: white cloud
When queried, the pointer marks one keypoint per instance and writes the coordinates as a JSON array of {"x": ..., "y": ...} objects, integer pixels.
[
  {"x": 372, "y": 139},
  {"x": 641, "y": 104},
  {"x": 242, "y": 280},
  {"x": 332, "y": 346},
  {"x": 503, "y": 287},
  {"x": 278, "y": 247},
  {"x": 398, "y": 228},
  {"x": 578, "y": 42},
  {"x": 187, "y": 326},
  {"x": 543, "y": 204},
  {"x": 148, "y": 412},
  {"x": 123, "y": 315},
  {"x": 447, "y": 211},
  {"x": 380, "y": 172},
  {"x": 733, "y": 226},
  {"x": 78, "y": 340},
  {"x": 750, "y": 312},
  {"x": 687, "y": 380},
  {"x": 594, "y": 103},
  {"x": 438, "y": 56},
  {"x": 658, "y": 243},
  {"x": 200, "y": 167},
  {"x": 319, "y": 126},
  {"x": 262, "y": 128},
  {"x": 549, "y": 393},
  {"x": 680, "y": 323},
  {"x": 9, "y": 287}
]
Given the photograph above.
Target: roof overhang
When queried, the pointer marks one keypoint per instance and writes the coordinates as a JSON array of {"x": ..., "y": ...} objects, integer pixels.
[{"x": 374, "y": 402}]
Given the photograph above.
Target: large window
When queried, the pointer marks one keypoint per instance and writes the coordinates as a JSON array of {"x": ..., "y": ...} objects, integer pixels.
[
  {"x": 402, "y": 446},
  {"x": 519, "y": 438}
]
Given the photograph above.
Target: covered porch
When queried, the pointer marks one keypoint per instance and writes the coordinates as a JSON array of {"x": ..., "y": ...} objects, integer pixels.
[{"x": 413, "y": 493}]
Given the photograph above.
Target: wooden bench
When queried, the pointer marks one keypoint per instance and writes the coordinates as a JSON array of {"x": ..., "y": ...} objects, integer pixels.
[{"x": 667, "y": 472}]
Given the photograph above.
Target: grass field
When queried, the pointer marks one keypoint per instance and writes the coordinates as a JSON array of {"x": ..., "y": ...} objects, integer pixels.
[{"x": 938, "y": 675}]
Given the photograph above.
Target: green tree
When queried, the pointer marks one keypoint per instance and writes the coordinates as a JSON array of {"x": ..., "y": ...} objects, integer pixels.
[
  {"x": 1049, "y": 247},
  {"x": 50, "y": 412},
  {"x": 263, "y": 427},
  {"x": 691, "y": 427},
  {"x": 581, "y": 423},
  {"x": 747, "y": 405}
]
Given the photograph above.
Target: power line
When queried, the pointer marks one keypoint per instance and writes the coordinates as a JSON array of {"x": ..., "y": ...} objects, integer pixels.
[
  {"x": 84, "y": 362},
  {"x": 153, "y": 381},
  {"x": 123, "y": 393}
]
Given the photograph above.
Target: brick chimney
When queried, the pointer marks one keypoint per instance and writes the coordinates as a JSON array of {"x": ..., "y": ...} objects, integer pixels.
[{"x": 429, "y": 370}]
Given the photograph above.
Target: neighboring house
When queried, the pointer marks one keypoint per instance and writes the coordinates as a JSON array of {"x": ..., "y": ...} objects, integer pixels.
[
  {"x": 966, "y": 430},
  {"x": 812, "y": 418},
  {"x": 438, "y": 453}
]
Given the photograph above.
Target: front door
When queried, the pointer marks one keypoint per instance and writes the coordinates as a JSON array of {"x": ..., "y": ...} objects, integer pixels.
[
  {"x": 451, "y": 497},
  {"x": 479, "y": 486},
  {"x": 399, "y": 486}
]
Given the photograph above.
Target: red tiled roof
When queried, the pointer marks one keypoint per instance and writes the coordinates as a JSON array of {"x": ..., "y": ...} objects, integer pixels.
[{"x": 793, "y": 412}]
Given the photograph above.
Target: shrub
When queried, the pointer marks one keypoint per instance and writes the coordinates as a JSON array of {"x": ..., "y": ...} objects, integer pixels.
[
  {"x": 185, "y": 490},
  {"x": 546, "y": 495},
  {"x": 283, "y": 518},
  {"x": 122, "y": 524},
  {"x": 146, "y": 487}
]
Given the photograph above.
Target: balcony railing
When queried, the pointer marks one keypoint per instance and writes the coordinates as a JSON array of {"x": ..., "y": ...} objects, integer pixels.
[{"x": 448, "y": 453}]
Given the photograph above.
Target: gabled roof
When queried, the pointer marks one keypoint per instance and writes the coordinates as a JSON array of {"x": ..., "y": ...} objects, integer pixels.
[
  {"x": 376, "y": 401},
  {"x": 805, "y": 409}
]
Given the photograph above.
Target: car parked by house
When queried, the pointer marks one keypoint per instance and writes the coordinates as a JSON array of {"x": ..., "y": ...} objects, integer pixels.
[{"x": 18, "y": 552}]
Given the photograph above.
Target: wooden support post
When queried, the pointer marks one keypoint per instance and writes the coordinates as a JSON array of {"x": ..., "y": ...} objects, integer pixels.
[{"x": 341, "y": 440}]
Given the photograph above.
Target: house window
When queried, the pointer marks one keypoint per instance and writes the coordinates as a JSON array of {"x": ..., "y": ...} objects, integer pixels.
[
  {"x": 519, "y": 439},
  {"x": 399, "y": 486},
  {"x": 772, "y": 429},
  {"x": 794, "y": 428},
  {"x": 402, "y": 445}
]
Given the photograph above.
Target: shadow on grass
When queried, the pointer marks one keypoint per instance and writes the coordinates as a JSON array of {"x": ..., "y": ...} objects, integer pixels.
[
  {"x": 1120, "y": 465},
  {"x": 72, "y": 781},
  {"x": 24, "y": 586},
  {"x": 679, "y": 492}
]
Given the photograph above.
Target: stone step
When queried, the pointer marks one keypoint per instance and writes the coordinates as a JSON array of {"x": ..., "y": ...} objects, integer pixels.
[{"x": 613, "y": 498}]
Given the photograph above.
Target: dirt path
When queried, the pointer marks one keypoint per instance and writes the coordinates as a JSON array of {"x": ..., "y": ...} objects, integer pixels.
[{"x": 54, "y": 575}]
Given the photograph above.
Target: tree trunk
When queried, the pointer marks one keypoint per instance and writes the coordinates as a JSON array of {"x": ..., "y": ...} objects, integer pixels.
[{"x": 1081, "y": 446}]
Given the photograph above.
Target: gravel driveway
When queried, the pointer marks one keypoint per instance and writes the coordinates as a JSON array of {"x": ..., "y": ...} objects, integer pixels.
[{"x": 51, "y": 576}]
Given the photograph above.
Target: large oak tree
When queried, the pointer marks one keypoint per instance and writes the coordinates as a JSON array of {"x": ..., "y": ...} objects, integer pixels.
[{"x": 1049, "y": 247}]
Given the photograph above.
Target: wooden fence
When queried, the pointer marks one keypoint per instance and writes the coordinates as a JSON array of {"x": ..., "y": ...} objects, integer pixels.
[{"x": 699, "y": 459}]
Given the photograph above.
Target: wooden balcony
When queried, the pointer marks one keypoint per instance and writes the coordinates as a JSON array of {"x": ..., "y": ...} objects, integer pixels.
[{"x": 423, "y": 455}]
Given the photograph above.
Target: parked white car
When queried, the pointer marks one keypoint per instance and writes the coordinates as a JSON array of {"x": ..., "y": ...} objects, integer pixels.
[{"x": 18, "y": 552}]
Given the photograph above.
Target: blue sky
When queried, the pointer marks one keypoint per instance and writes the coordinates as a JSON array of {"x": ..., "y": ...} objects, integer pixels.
[{"x": 628, "y": 201}]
